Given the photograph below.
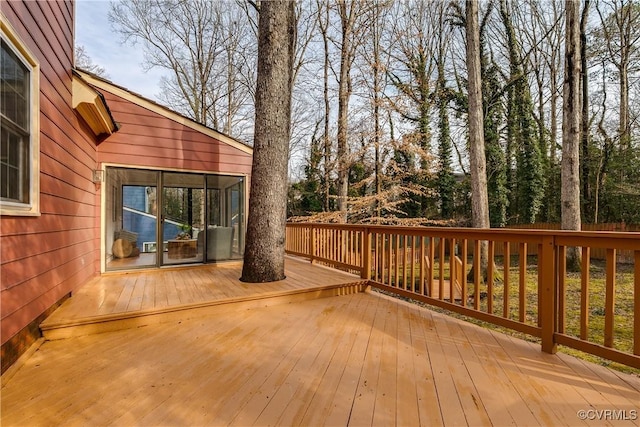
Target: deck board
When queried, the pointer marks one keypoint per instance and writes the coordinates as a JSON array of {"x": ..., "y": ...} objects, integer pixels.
[
  {"x": 136, "y": 291},
  {"x": 424, "y": 381},
  {"x": 353, "y": 359}
]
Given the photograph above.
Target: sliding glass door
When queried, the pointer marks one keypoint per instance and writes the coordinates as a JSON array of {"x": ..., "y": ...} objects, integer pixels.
[
  {"x": 183, "y": 218},
  {"x": 131, "y": 218},
  {"x": 225, "y": 213},
  {"x": 159, "y": 218}
]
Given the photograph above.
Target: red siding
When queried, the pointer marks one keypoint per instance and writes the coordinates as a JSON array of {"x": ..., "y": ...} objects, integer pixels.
[
  {"x": 44, "y": 258},
  {"x": 148, "y": 139}
]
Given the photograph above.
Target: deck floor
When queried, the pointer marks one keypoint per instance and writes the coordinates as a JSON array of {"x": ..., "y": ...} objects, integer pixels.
[
  {"x": 358, "y": 359},
  {"x": 157, "y": 289}
]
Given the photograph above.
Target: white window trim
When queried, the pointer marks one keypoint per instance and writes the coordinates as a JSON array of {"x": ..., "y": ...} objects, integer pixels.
[{"x": 32, "y": 208}]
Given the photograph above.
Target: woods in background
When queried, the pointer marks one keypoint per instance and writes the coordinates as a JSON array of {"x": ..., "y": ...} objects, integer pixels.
[{"x": 380, "y": 123}]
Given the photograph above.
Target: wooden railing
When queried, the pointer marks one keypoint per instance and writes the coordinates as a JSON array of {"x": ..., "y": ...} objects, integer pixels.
[{"x": 596, "y": 310}]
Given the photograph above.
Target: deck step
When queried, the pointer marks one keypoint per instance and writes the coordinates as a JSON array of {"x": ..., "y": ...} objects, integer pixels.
[{"x": 56, "y": 330}]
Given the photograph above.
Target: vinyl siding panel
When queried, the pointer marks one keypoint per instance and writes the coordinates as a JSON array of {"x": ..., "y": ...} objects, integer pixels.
[{"x": 45, "y": 258}]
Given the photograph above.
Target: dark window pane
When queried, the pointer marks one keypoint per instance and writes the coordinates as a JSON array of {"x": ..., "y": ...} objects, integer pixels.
[
  {"x": 14, "y": 145},
  {"x": 13, "y": 178},
  {"x": 15, "y": 88},
  {"x": 4, "y": 181},
  {"x": 4, "y": 146}
]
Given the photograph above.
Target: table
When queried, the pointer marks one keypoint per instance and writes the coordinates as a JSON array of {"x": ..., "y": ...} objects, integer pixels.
[{"x": 179, "y": 249}]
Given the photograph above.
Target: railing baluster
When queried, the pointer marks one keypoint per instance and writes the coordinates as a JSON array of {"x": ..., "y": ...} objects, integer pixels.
[
  {"x": 636, "y": 303},
  {"x": 413, "y": 264},
  {"x": 421, "y": 289},
  {"x": 329, "y": 239},
  {"x": 397, "y": 257},
  {"x": 357, "y": 239},
  {"x": 463, "y": 279},
  {"x": 584, "y": 293},
  {"x": 562, "y": 274},
  {"x": 452, "y": 270},
  {"x": 365, "y": 243},
  {"x": 343, "y": 249},
  {"x": 405, "y": 256},
  {"x": 351, "y": 248},
  {"x": 506, "y": 262},
  {"x": 432, "y": 256},
  {"x": 476, "y": 274},
  {"x": 382, "y": 252},
  {"x": 334, "y": 247},
  {"x": 441, "y": 268},
  {"x": 391, "y": 265},
  {"x": 522, "y": 285},
  {"x": 376, "y": 264},
  {"x": 609, "y": 299},
  {"x": 313, "y": 243},
  {"x": 490, "y": 274}
]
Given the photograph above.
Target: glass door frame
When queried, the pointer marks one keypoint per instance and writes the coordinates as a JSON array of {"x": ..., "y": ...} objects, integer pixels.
[
  {"x": 184, "y": 247},
  {"x": 112, "y": 219}
]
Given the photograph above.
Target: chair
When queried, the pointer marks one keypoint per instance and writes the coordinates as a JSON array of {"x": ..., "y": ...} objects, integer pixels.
[{"x": 219, "y": 241}]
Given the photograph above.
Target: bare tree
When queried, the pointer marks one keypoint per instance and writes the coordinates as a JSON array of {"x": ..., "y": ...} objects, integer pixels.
[
  {"x": 620, "y": 30},
  {"x": 84, "y": 61},
  {"x": 570, "y": 191},
  {"x": 415, "y": 40},
  {"x": 264, "y": 252},
  {"x": 477, "y": 166},
  {"x": 323, "y": 25},
  {"x": 376, "y": 63},
  {"x": 205, "y": 45},
  {"x": 349, "y": 12},
  {"x": 585, "y": 169}
]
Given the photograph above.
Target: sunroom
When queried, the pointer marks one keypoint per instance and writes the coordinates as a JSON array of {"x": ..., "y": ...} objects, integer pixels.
[{"x": 171, "y": 191}]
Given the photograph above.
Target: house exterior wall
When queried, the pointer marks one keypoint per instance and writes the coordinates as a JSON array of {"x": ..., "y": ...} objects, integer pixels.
[
  {"x": 151, "y": 137},
  {"x": 43, "y": 258},
  {"x": 150, "y": 140}
]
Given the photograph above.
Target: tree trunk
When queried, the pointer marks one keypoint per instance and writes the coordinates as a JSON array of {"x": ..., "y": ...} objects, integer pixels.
[
  {"x": 479, "y": 198},
  {"x": 587, "y": 207},
  {"x": 625, "y": 128},
  {"x": 344, "y": 93},
  {"x": 377, "y": 90},
  {"x": 265, "y": 239},
  {"x": 570, "y": 191},
  {"x": 327, "y": 108}
]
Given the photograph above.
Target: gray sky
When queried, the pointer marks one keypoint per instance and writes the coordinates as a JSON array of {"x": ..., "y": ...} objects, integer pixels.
[{"x": 123, "y": 63}]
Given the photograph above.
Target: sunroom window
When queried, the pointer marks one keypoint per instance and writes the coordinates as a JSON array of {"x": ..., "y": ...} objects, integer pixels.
[{"x": 19, "y": 151}]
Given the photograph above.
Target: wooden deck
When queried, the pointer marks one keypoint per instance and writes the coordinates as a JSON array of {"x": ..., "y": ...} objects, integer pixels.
[
  {"x": 359, "y": 359},
  {"x": 135, "y": 299}
]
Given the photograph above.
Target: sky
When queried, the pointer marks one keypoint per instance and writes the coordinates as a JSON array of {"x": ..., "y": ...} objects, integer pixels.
[{"x": 122, "y": 62}]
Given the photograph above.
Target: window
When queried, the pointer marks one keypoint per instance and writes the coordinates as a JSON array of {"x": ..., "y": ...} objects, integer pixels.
[{"x": 19, "y": 132}]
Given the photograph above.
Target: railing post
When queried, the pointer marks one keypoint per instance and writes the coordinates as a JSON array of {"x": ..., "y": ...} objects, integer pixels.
[
  {"x": 547, "y": 273},
  {"x": 365, "y": 252}
]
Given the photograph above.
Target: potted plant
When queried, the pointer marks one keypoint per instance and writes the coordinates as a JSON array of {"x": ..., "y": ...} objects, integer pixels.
[{"x": 185, "y": 232}]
